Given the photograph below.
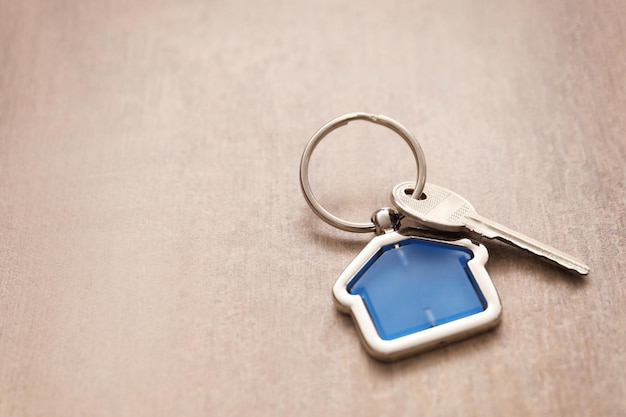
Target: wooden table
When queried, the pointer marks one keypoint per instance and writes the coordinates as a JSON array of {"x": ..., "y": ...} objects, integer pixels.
[{"x": 157, "y": 257}]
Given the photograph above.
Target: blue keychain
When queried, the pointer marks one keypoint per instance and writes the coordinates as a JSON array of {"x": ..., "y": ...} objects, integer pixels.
[{"x": 405, "y": 291}]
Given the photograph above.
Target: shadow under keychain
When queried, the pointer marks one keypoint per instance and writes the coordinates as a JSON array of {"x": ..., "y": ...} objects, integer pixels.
[{"x": 407, "y": 291}]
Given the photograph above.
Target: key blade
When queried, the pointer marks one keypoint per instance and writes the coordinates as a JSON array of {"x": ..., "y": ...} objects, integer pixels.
[{"x": 493, "y": 230}]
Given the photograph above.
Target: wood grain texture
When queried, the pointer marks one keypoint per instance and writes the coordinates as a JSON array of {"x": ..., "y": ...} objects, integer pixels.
[{"x": 157, "y": 258}]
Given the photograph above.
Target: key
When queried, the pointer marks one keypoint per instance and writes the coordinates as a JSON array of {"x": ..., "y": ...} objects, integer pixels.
[{"x": 443, "y": 210}]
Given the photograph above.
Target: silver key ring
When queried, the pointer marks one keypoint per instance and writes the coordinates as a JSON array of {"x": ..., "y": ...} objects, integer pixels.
[{"x": 317, "y": 208}]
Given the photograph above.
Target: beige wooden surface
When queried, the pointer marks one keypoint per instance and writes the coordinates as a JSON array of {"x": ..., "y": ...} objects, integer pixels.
[{"x": 158, "y": 259}]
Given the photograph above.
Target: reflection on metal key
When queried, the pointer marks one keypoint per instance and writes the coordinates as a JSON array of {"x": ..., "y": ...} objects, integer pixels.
[{"x": 441, "y": 209}]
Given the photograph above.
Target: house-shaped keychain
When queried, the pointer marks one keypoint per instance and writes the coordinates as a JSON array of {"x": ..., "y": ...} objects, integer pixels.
[
  {"x": 405, "y": 292},
  {"x": 408, "y": 293}
]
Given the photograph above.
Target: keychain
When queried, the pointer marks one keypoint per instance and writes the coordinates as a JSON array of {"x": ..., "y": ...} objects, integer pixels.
[
  {"x": 406, "y": 292},
  {"x": 409, "y": 289}
]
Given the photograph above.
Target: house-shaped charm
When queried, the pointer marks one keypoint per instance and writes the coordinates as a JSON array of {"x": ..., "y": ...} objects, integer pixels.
[{"x": 408, "y": 293}]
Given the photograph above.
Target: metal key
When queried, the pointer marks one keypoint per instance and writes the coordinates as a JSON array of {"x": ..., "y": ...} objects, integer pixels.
[{"x": 443, "y": 210}]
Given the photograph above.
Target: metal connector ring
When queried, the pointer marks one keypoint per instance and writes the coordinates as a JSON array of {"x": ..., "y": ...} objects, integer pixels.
[{"x": 317, "y": 208}]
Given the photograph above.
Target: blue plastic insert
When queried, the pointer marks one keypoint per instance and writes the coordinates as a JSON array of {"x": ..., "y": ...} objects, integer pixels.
[{"x": 417, "y": 284}]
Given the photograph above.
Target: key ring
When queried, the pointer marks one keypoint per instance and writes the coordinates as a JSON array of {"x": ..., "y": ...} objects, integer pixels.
[{"x": 317, "y": 208}]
